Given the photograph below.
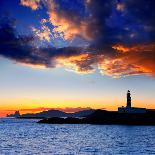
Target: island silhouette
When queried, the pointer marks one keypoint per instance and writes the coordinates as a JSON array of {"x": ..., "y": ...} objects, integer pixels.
[{"x": 124, "y": 116}]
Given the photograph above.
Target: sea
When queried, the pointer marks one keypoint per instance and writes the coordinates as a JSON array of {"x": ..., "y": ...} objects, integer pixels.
[{"x": 27, "y": 137}]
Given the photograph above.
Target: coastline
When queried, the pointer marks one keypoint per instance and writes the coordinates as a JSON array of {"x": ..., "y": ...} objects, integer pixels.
[{"x": 106, "y": 118}]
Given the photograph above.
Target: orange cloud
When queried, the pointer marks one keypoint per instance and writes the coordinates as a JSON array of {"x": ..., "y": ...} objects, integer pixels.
[
  {"x": 43, "y": 34},
  {"x": 117, "y": 68},
  {"x": 120, "y": 7},
  {"x": 76, "y": 63},
  {"x": 33, "y": 4},
  {"x": 140, "y": 59},
  {"x": 36, "y": 66},
  {"x": 127, "y": 61},
  {"x": 66, "y": 24},
  {"x": 120, "y": 48},
  {"x": 43, "y": 21}
]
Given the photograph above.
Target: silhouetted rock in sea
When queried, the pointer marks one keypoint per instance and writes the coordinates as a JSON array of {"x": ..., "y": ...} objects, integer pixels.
[
  {"x": 16, "y": 114},
  {"x": 107, "y": 117}
]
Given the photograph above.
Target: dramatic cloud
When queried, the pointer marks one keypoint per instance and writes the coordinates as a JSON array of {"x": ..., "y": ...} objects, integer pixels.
[
  {"x": 141, "y": 57},
  {"x": 72, "y": 24},
  {"x": 101, "y": 21},
  {"x": 22, "y": 50},
  {"x": 33, "y": 4},
  {"x": 69, "y": 23},
  {"x": 66, "y": 22},
  {"x": 78, "y": 63},
  {"x": 120, "y": 36}
]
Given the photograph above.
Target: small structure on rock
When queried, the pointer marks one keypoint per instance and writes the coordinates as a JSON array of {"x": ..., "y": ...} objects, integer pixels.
[{"x": 129, "y": 108}]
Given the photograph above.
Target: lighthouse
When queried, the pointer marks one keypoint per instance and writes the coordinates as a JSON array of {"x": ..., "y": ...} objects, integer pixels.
[
  {"x": 128, "y": 99},
  {"x": 128, "y": 108}
]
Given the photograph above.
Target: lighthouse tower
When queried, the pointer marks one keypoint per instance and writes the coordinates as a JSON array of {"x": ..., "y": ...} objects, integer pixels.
[
  {"x": 128, "y": 108},
  {"x": 128, "y": 99}
]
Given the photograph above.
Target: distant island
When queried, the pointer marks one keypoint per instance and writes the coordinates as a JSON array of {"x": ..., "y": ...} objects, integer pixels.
[{"x": 51, "y": 113}]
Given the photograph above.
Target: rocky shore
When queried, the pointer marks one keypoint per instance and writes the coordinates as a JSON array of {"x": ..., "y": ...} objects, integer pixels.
[{"x": 106, "y": 117}]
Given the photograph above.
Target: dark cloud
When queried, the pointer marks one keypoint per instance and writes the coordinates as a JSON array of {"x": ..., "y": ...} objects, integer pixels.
[
  {"x": 144, "y": 14},
  {"x": 120, "y": 36},
  {"x": 14, "y": 46},
  {"x": 133, "y": 24},
  {"x": 102, "y": 22},
  {"x": 21, "y": 49}
]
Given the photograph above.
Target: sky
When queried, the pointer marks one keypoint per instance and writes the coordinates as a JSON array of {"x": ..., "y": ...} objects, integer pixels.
[{"x": 75, "y": 55}]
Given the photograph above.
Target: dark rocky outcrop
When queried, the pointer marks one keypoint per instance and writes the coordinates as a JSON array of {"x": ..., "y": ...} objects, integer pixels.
[
  {"x": 16, "y": 114},
  {"x": 107, "y": 117}
]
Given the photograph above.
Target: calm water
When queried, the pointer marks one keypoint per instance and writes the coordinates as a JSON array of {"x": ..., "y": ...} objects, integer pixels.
[{"x": 27, "y": 137}]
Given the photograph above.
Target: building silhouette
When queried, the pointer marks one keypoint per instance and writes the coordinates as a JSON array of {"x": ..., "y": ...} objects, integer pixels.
[{"x": 129, "y": 108}]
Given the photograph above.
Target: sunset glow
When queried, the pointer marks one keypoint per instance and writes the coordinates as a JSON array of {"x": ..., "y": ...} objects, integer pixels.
[{"x": 72, "y": 55}]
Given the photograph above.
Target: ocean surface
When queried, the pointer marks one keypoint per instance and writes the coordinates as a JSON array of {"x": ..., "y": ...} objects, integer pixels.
[{"x": 26, "y": 137}]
